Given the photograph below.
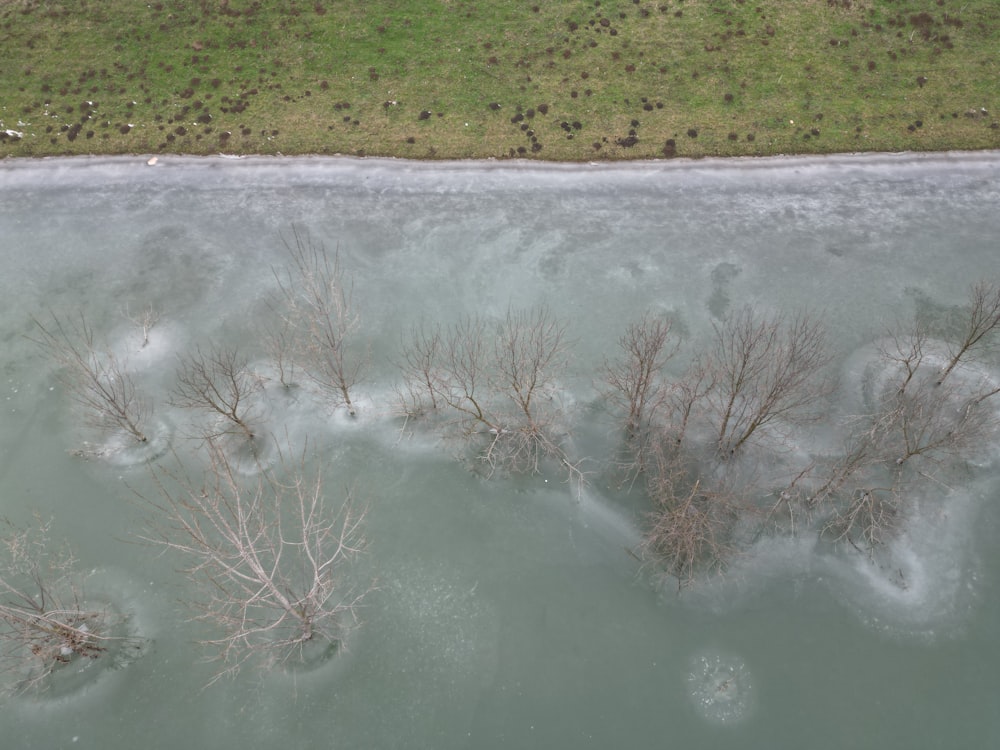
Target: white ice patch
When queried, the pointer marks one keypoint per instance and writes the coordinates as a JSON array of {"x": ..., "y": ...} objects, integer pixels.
[
  {"x": 597, "y": 513},
  {"x": 922, "y": 582},
  {"x": 88, "y": 682},
  {"x": 365, "y": 410},
  {"x": 721, "y": 687},
  {"x": 450, "y": 627},
  {"x": 120, "y": 449},
  {"x": 149, "y": 349},
  {"x": 749, "y": 574}
]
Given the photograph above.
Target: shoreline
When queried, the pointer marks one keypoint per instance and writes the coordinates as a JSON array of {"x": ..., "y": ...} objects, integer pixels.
[{"x": 159, "y": 161}]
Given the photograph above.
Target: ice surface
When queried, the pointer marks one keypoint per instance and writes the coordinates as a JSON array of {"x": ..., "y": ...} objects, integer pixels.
[{"x": 510, "y": 613}]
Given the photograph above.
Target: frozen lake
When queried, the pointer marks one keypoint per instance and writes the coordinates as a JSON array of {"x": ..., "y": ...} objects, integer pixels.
[{"x": 509, "y": 612}]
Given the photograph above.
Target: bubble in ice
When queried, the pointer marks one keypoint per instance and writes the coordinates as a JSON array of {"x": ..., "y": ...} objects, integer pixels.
[{"x": 721, "y": 687}]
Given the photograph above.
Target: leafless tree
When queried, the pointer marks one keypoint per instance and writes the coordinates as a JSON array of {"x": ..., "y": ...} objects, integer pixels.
[
  {"x": 637, "y": 386},
  {"x": 422, "y": 382},
  {"x": 916, "y": 412},
  {"x": 530, "y": 353},
  {"x": 279, "y": 340},
  {"x": 869, "y": 516},
  {"x": 979, "y": 328},
  {"x": 271, "y": 557},
  {"x": 757, "y": 371},
  {"x": 924, "y": 422},
  {"x": 218, "y": 381},
  {"x": 496, "y": 382},
  {"x": 324, "y": 319},
  {"x": 44, "y": 622},
  {"x": 144, "y": 322},
  {"x": 764, "y": 371},
  {"x": 905, "y": 354},
  {"x": 95, "y": 377}
]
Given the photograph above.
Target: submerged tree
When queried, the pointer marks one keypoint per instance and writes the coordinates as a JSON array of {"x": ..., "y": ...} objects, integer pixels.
[
  {"x": 764, "y": 371},
  {"x": 44, "y": 621},
  {"x": 420, "y": 366},
  {"x": 495, "y": 383},
  {"x": 757, "y": 377},
  {"x": 218, "y": 381},
  {"x": 144, "y": 322},
  {"x": 637, "y": 387},
  {"x": 692, "y": 523},
  {"x": 97, "y": 380},
  {"x": 929, "y": 408},
  {"x": 322, "y": 320},
  {"x": 271, "y": 558},
  {"x": 978, "y": 329}
]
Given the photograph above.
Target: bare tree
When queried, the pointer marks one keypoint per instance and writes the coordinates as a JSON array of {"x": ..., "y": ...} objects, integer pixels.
[
  {"x": 279, "y": 340},
  {"x": 321, "y": 311},
  {"x": 871, "y": 514},
  {"x": 904, "y": 353},
  {"x": 979, "y": 328},
  {"x": 271, "y": 558},
  {"x": 756, "y": 373},
  {"x": 44, "y": 622},
  {"x": 422, "y": 382},
  {"x": 96, "y": 378},
  {"x": 916, "y": 413},
  {"x": 144, "y": 322},
  {"x": 636, "y": 382},
  {"x": 763, "y": 371},
  {"x": 924, "y": 422},
  {"x": 917, "y": 409},
  {"x": 218, "y": 381},
  {"x": 530, "y": 352},
  {"x": 497, "y": 381}
]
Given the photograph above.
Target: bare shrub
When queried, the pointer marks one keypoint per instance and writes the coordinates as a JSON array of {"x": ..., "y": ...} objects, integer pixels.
[
  {"x": 270, "y": 556},
  {"x": 323, "y": 319},
  {"x": 97, "y": 380},
  {"x": 218, "y": 381},
  {"x": 496, "y": 384},
  {"x": 44, "y": 623},
  {"x": 690, "y": 529}
]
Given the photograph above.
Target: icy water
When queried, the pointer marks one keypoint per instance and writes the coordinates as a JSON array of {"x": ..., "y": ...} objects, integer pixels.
[{"x": 509, "y": 613}]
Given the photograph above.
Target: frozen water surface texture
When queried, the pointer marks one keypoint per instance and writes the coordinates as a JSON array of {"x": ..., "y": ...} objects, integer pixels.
[{"x": 510, "y": 602}]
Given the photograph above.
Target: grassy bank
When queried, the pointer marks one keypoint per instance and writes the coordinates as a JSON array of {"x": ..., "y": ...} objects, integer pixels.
[{"x": 545, "y": 79}]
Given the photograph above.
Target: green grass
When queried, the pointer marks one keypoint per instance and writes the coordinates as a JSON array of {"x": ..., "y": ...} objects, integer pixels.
[{"x": 544, "y": 79}]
